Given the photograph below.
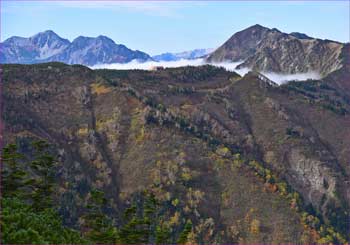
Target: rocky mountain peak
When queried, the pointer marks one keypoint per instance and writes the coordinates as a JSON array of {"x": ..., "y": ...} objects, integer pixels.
[
  {"x": 270, "y": 50},
  {"x": 48, "y": 46},
  {"x": 257, "y": 27},
  {"x": 47, "y": 33},
  {"x": 48, "y": 38},
  {"x": 104, "y": 38}
]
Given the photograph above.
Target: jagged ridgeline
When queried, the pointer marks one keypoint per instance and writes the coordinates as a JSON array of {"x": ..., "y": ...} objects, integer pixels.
[
  {"x": 181, "y": 155},
  {"x": 270, "y": 50}
]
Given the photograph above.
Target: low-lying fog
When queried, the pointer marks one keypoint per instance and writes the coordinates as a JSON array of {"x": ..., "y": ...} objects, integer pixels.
[{"x": 276, "y": 77}]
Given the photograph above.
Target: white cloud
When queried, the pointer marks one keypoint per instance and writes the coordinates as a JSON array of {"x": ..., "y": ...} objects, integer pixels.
[
  {"x": 230, "y": 66},
  {"x": 283, "y": 78},
  {"x": 149, "y": 64},
  {"x": 276, "y": 77}
]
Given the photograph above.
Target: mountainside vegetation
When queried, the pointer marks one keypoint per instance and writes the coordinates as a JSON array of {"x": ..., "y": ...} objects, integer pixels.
[{"x": 179, "y": 155}]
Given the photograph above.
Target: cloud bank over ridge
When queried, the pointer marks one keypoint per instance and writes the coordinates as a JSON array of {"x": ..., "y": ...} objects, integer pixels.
[{"x": 230, "y": 66}]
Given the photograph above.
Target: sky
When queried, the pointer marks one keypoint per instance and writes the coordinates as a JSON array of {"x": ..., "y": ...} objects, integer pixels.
[{"x": 172, "y": 26}]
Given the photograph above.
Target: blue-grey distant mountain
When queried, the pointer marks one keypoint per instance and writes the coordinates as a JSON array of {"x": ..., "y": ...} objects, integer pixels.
[
  {"x": 33, "y": 49},
  {"x": 188, "y": 55},
  {"x": 48, "y": 46}
]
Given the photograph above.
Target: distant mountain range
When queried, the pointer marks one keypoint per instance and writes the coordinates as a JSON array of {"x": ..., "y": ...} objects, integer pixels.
[
  {"x": 48, "y": 46},
  {"x": 263, "y": 49},
  {"x": 257, "y": 47},
  {"x": 188, "y": 55}
]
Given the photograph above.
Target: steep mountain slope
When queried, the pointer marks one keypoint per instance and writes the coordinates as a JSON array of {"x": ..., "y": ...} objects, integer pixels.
[
  {"x": 48, "y": 46},
  {"x": 189, "y": 55},
  {"x": 264, "y": 49},
  {"x": 99, "y": 50},
  {"x": 213, "y": 147}
]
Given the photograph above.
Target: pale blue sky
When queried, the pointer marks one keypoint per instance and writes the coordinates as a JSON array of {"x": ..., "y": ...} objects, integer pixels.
[{"x": 156, "y": 27}]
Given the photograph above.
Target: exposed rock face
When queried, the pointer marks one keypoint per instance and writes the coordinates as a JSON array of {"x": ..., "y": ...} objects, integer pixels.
[
  {"x": 48, "y": 46},
  {"x": 321, "y": 181},
  {"x": 270, "y": 50}
]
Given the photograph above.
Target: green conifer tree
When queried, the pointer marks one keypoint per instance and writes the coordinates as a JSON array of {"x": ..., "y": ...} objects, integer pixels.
[{"x": 99, "y": 228}]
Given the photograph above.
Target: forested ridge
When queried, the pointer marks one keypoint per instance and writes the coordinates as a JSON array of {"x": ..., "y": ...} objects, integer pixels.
[{"x": 180, "y": 155}]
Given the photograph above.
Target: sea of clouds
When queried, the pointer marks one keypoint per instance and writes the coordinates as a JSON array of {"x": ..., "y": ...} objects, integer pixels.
[{"x": 230, "y": 66}]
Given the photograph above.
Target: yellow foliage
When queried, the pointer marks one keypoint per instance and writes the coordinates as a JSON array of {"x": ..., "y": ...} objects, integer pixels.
[
  {"x": 134, "y": 123},
  {"x": 83, "y": 131},
  {"x": 102, "y": 124},
  {"x": 136, "y": 126},
  {"x": 325, "y": 240},
  {"x": 236, "y": 164},
  {"x": 255, "y": 226},
  {"x": 268, "y": 177},
  {"x": 198, "y": 194},
  {"x": 182, "y": 154},
  {"x": 191, "y": 238},
  {"x": 98, "y": 165},
  {"x": 141, "y": 135},
  {"x": 123, "y": 195},
  {"x": 186, "y": 174},
  {"x": 175, "y": 220},
  {"x": 222, "y": 151},
  {"x": 168, "y": 196},
  {"x": 98, "y": 89},
  {"x": 219, "y": 163},
  {"x": 187, "y": 209},
  {"x": 194, "y": 197},
  {"x": 186, "y": 106},
  {"x": 175, "y": 202},
  {"x": 225, "y": 198}
]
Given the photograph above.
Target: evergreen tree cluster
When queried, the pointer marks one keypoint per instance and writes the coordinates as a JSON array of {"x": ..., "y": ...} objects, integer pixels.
[
  {"x": 27, "y": 212},
  {"x": 29, "y": 216}
]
